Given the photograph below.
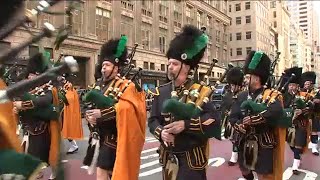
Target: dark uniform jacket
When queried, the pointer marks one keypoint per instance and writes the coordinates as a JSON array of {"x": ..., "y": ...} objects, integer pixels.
[{"x": 197, "y": 130}]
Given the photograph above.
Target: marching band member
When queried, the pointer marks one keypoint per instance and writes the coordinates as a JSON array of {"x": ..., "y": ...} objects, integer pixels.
[
  {"x": 70, "y": 114},
  {"x": 297, "y": 133},
  {"x": 121, "y": 127},
  {"x": 39, "y": 116},
  {"x": 308, "y": 81},
  {"x": 184, "y": 142},
  {"x": 235, "y": 78},
  {"x": 254, "y": 116}
]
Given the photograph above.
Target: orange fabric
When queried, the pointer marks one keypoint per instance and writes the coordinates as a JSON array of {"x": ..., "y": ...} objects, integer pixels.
[
  {"x": 7, "y": 110},
  {"x": 131, "y": 126},
  {"x": 8, "y": 125},
  {"x": 72, "y": 123},
  {"x": 280, "y": 135},
  {"x": 55, "y": 134}
]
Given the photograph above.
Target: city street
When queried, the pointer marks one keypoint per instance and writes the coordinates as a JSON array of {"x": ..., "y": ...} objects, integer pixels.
[{"x": 218, "y": 168}]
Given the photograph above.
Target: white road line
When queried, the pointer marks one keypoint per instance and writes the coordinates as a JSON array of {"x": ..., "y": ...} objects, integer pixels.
[
  {"x": 150, "y": 172},
  {"x": 150, "y": 138},
  {"x": 149, "y": 156},
  {"x": 149, "y": 164},
  {"x": 149, "y": 150},
  {"x": 150, "y": 141},
  {"x": 84, "y": 167}
]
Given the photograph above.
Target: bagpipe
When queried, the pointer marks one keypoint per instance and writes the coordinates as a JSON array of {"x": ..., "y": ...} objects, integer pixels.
[
  {"x": 272, "y": 91},
  {"x": 193, "y": 99}
]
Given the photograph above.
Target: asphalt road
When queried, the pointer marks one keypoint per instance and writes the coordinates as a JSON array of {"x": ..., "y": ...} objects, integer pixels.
[{"x": 218, "y": 169}]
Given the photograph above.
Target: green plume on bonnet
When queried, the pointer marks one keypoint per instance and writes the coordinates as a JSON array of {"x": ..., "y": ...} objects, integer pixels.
[
  {"x": 199, "y": 43},
  {"x": 255, "y": 60},
  {"x": 121, "y": 46}
]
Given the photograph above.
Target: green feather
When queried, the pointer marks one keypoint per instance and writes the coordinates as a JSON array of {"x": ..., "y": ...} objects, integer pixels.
[
  {"x": 255, "y": 60},
  {"x": 199, "y": 43},
  {"x": 100, "y": 100},
  {"x": 179, "y": 110},
  {"x": 121, "y": 46}
]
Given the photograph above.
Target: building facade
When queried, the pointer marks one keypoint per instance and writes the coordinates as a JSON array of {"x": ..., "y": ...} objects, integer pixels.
[
  {"x": 149, "y": 23},
  {"x": 249, "y": 29},
  {"x": 305, "y": 15},
  {"x": 298, "y": 44},
  {"x": 279, "y": 17}
]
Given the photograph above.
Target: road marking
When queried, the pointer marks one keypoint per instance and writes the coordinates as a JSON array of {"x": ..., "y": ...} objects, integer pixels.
[
  {"x": 150, "y": 138},
  {"x": 85, "y": 167},
  {"x": 150, "y": 141},
  {"x": 149, "y": 156},
  {"x": 149, "y": 150},
  {"x": 150, "y": 172},
  {"x": 217, "y": 161},
  {"x": 149, "y": 164},
  {"x": 64, "y": 161}
]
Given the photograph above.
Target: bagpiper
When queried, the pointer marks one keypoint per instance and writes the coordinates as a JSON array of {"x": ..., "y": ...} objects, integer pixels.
[
  {"x": 118, "y": 116},
  {"x": 255, "y": 116},
  {"x": 38, "y": 115},
  {"x": 307, "y": 85},
  {"x": 235, "y": 78},
  {"x": 184, "y": 134}
]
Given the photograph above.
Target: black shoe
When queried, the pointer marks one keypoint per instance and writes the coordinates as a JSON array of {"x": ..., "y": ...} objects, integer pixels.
[
  {"x": 231, "y": 163},
  {"x": 316, "y": 153},
  {"x": 295, "y": 172}
]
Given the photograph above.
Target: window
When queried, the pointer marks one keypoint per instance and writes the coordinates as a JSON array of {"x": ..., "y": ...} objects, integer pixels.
[
  {"x": 163, "y": 12},
  {"x": 274, "y": 14},
  {"x": 238, "y": 35},
  {"x": 127, "y": 28},
  {"x": 230, "y": 7},
  {"x": 217, "y": 52},
  {"x": 230, "y": 51},
  {"x": 208, "y": 50},
  {"x": 189, "y": 15},
  {"x": 248, "y": 19},
  {"x": 239, "y": 51},
  {"x": 209, "y": 27},
  {"x": 147, "y": 6},
  {"x": 199, "y": 19},
  {"x": 248, "y": 35},
  {"x": 275, "y": 24},
  {"x": 273, "y": 4},
  {"x": 247, "y": 5},
  {"x": 4, "y": 46},
  {"x": 238, "y": 20},
  {"x": 152, "y": 66},
  {"x": 177, "y": 14},
  {"x": 163, "y": 67},
  {"x": 248, "y": 49},
  {"x": 238, "y": 7},
  {"x": 145, "y": 65},
  {"x": 127, "y": 4},
  {"x": 230, "y": 37},
  {"x": 102, "y": 23},
  {"x": 162, "y": 43},
  {"x": 78, "y": 20},
  {"x": 146, "y": 36}
]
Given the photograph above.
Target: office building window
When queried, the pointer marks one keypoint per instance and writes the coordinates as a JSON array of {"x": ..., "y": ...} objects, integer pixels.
[
  {"x": 230, "y": 51},
  {"x": 239, "y": 51},
  {"x": 238, "y": 35},
  {"x": 238, "y": 7},
  {"x": 230, "y": 37},
  {"x": 275, "y": 24},
  {"x": 199, "y": 19},
  {"x": 248, "y": 35},
  {"x": 247, "y": 4},
  {"x": 274, "y": 14},
  {"x": 145, "y": 65},
  {"x": 163, "y": 11},
  {"x": 238, "y": 20},
  {"x": 162, "y": 43},
  {"x": 273, "y": 4},
  {"x": 146, "y": 36},
  {"x": 102, "y": 23},
  {"x": 177, "y": 14},
  {"x": 78, "y": 18},
  {"x": 248, "y": 49},
  {"x": 218, "y": 36},
  {"x": 248, "y": 19},
  {"x": 127, "y": 28},
  {"x": 163, "y": 67},
  {"x": 189, "y": 16},
  {"x": 230, "y": 7},
  {"x": 152, "y": 66},
  {"x": 127, "y": 4},
  {"x": 147, "y": 7}
]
